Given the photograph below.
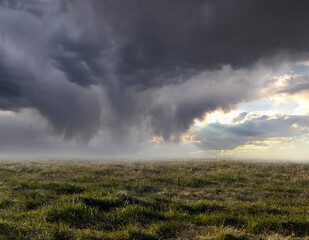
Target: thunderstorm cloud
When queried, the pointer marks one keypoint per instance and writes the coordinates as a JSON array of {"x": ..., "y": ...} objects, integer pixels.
[{"x": 119, "y": 72}]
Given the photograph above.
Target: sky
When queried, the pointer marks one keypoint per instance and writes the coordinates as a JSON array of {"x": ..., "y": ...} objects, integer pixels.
[{"x": 154, "y": 79}]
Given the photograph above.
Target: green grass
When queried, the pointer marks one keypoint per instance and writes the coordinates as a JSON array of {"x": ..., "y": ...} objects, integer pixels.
[{"x": 154, "y": 200}]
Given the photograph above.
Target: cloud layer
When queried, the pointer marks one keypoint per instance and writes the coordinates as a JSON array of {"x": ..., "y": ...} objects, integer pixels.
[
  {"x": 134, "y": 69},
  {"x": 249, "y": 129}
]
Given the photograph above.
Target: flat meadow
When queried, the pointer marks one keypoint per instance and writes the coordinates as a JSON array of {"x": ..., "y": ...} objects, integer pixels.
[{"x": 222, "y": 200}]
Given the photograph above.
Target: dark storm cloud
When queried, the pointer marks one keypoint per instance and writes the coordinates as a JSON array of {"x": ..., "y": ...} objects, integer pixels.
[
  {"x": 115, "y": 65},
  {"x": 174, "y": 106},
  {"x": 157, "y": 42},
  {"x": 159, "y": 38},
  {"x": 79, "y": 61},
  {"x": 217, "y": 136},
  {"x": 13, "y": 83},
  {"x": 8, "y": 89},
  {"x": 29, "y": 78}
]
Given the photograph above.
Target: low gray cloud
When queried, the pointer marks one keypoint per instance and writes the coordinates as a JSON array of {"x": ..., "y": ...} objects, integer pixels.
[
  {"x": 296, "y": 84},
  {"x": 112, "y": 67},
  {"x": 217, "y": 136}
]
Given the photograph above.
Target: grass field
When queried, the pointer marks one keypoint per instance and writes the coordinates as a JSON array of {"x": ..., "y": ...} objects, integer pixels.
[{"x": 154, "y": 200}]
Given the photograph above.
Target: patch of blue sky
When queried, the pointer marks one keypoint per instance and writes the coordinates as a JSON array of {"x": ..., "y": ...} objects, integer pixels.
[
  {"x": 256, "y": 106},
  {"x": 270, "y": 106},
  {"x": 301, "y": 69}
]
